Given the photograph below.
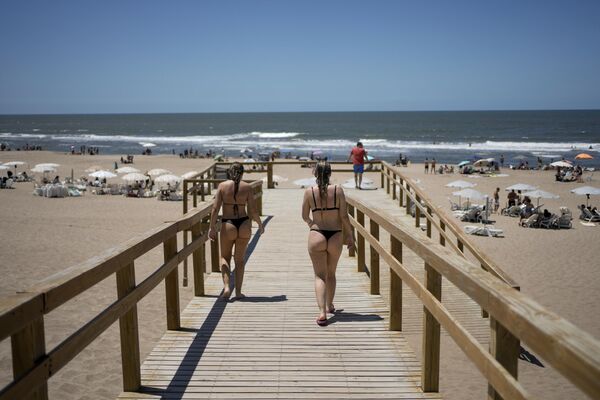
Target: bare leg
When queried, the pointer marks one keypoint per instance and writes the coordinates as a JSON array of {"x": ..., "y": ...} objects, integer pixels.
[
  {"x": 359, "y": 180},
  {"x": 334, "y": 250},
  {"x": 241, "y": 244},
  {"x": 355, "y": 180},
  {"x": 317, "y": 248},
  {"x": 228, "y": 237}
]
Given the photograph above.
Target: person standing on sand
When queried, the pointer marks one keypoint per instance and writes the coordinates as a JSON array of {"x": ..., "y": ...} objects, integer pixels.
[
  {"x": 358, "y": 155},
  {"x": 433, "y": 162},
  {"x": 234, "y": 195},
  {"x": 329, "y": 215},
  {"x": 426, "y": 165},
  {"x": 496, "y": 199}
]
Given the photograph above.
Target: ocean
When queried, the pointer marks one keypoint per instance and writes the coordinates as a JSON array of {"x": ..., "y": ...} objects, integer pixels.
[{"x": 449, "y": 137}]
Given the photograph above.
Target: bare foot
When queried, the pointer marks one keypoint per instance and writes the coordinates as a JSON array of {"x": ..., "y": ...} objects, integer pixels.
[
  {"x": 239, "y": 297},
  {"x": 226, "y": 294}
]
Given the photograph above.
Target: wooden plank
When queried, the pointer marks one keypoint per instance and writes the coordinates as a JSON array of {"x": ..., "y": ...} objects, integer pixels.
[
  {"x": 351, "y": 251},
  {"x": 199, "y": 259},
  {"x": 395, "y": 323},
  {"x": 18, "y": 310},
  {"x": 360, "y": 243},
  {"x": 172, "y": 285},
  {"x": 430, "y": 376},
  {"x": 128, "y": 329},
  {"x": 215, "y": 256},
  {"x": 505, "y": 348}
]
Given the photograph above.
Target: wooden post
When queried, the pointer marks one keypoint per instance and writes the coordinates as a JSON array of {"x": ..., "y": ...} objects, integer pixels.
[
  {"x": 394, "y": 186},
  {"x": 430, "y": 374},
  {"x": 214, "y": 175},
  {"x": 417, "y": 212},
  {"x": 395, "y": 289},
  {"x": 199, "y": 259},
  {"x": 195, "y": 195},
  {"x": 374, "y": 228},
  {"x": 382, "y": 177},
  {"x": 351, "y": 252},
  {"x": 215, "y": 257},
  {"x": 387, "y": 181},
  {"x": 185, "y": 196},
  {"x": 172, "y": 285},
  {"x": 128, "y": 327},
  {"x": 401, "y": 193},
  {"x": 407, "y": 199},
  {"x": 28, "y": 347},
  {"x": 208, "y": 185},
  {"x": 270, "y": 184},
  {"x": 442, "y": 238},
  {"x": 202, "y": 191},
  {"x": 360, "y": 260},
  {"x": 428, "y": 222},
  {"x": 505, "y": 348},
  {"x": 185, "y": 260},
  {"x": 460, "y": 245}
]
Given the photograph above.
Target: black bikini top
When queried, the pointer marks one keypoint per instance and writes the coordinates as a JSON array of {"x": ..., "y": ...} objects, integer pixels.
[{"x": 335, "y": 206}]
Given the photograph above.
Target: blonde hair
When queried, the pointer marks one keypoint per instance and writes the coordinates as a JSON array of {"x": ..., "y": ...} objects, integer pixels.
[{"x": 235, "y": 173}]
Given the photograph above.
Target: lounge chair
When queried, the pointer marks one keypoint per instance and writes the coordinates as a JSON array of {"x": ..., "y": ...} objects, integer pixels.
[
  {"x": 531, "y": 222},
  {"x": 564, "y": 221},
  {"x": 587, "y": 215},
  {"x": 472, "y": 215},
  {"x": 549, "y": 222},
  {"x": 454, "y": 206},
  {"x": 484, "y": 231},
  {"x": 512, "y": 211}
]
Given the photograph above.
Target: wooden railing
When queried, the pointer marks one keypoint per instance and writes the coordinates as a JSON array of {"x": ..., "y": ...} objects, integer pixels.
[
  {"x": 513, "y": 316},
  {"x": 22, "y": 315}
]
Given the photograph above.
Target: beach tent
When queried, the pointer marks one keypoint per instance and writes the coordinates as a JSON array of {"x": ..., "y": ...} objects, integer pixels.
[
  {"x": 583, "y": 156},
  {"x": 586, "y": 191},
  {"x": 461, "y": 184},
  {"x": 126, "y": 170},
  {"x": 521, "y": 186},
  {"x": 102, "y": 174}
]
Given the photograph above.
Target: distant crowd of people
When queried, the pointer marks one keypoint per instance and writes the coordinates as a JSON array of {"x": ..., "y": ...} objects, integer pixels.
[{"x": 27, "y": 147}]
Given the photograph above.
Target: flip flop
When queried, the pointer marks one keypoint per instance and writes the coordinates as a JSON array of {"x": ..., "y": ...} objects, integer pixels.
[{"x": 322, "y": 322}]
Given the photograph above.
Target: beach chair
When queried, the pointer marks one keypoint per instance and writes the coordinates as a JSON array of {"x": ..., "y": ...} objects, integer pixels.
[
  {"x": 512, "y": 211},
  {"x": 472, "y": 215},
  {"x": 454, "y": 206},
  {"x": 550, "y": 222},
  {"x": 484, "y": 231},
  {"x": 587, "y": 215},
  {"x": 9, "y": 184},
  {"x": 531, "y": 222},
  {"x": 564, "y": 221}
]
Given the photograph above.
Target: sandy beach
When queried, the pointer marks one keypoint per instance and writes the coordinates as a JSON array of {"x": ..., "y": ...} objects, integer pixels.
[{"x": 41, "y": 236}]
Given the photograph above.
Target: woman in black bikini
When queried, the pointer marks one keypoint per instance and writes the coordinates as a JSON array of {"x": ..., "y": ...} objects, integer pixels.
[
  {"x": 233, "y": 195},
  {"x": 328, "y": 206}
]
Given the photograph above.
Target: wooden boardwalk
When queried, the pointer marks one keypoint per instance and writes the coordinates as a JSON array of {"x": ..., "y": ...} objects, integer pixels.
[{"x": 269, "y": 346}]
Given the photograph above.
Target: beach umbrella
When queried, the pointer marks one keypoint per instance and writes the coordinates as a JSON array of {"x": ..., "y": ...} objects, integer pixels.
[
  {"x": 484, "y": 162},
  {"x": 158, "y": 172},
  {"x": 306, "y": 182},
  {"x": 469, "y": 194},
  {"x": 133, "y": 177},
  {"x": 93, "y": 168},
  {"x": 249, "y": 160},
  {"x": 461, "y": 184},
  {"x": 561, "y": 164},
  {"x": 145, "y": 144},
  {"x": 42, "y": 169},
  {"x": 460, "y": 164},
  {"x": 51, "y": 165},
  {"x": 14, "y": 164},
  {"x": 540, "y": 194},
  {"x": 190, "y": 175},
  {"x": 3, "y": 167},
  {"x": 520, "y": 157},
  {"x": 586, "y": 191},
  {"x": 218, "y": 157},
  {"x": 102, "y": 174},
  {"x": 167, "y": 179},
  {"x": 126, "y": 170},
  {"x": 583, "y": 156},
  {"x": 521, "y": 186}
]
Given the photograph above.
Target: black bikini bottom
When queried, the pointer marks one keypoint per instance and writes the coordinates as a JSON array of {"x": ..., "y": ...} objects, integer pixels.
[
  {"x": 237, "y": 222},
  {"x": 327, "y": 233}
]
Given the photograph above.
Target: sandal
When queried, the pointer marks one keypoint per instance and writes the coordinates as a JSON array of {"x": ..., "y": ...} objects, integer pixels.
[{"x": 322, "y": 322}]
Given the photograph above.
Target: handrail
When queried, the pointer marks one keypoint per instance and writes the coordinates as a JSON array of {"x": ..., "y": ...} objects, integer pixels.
[
  {"x": 574, "y": 353},
  {"x": 22, "y": 314},
  {"x": 456, "y": 230}
]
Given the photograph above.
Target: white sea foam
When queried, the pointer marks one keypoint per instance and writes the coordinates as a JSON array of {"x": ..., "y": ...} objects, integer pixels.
[
  {"x": 275, "y": 135},
  {"x": 9, "y": 135}
]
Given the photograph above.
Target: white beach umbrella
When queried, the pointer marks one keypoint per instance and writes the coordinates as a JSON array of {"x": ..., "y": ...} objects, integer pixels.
[
  {"x": 586, "y": 191},
  {"x": 521, "y": 186},
  {"x": 41, "y": 169},
  {"x": 102, "y": 174},
  {"x": 306, "y": 182},
  {"x": 134, "y": 176},
  {"x": 51, "y": 165},
  {"x": 561, "y": 164},
  {"x": 168, "y": 178},
  {"x": 460, "y": 184},
  {"x": 147, "y": 144},
  {"x": 190, "y": 175},
  {"x": 484, "y": 162},
  {"x": 540, "y": 194},
  {"x": 14, "y": 164},
  {"x": 158, "y": 172},
  {"x": 469, "y": 194},
  {"x": 126, "y": 170},
  {"x": 93, "y": 168},
  {"x": 3, "y": 167}
]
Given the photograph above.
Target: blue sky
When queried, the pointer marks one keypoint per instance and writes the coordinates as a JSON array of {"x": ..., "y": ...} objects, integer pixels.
[{"x": 222, "y": 56}]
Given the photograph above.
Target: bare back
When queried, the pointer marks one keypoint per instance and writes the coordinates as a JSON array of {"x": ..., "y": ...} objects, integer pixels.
[
  {"x": 230, "y": 201},
  {"x": 326, "y": 210}
]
